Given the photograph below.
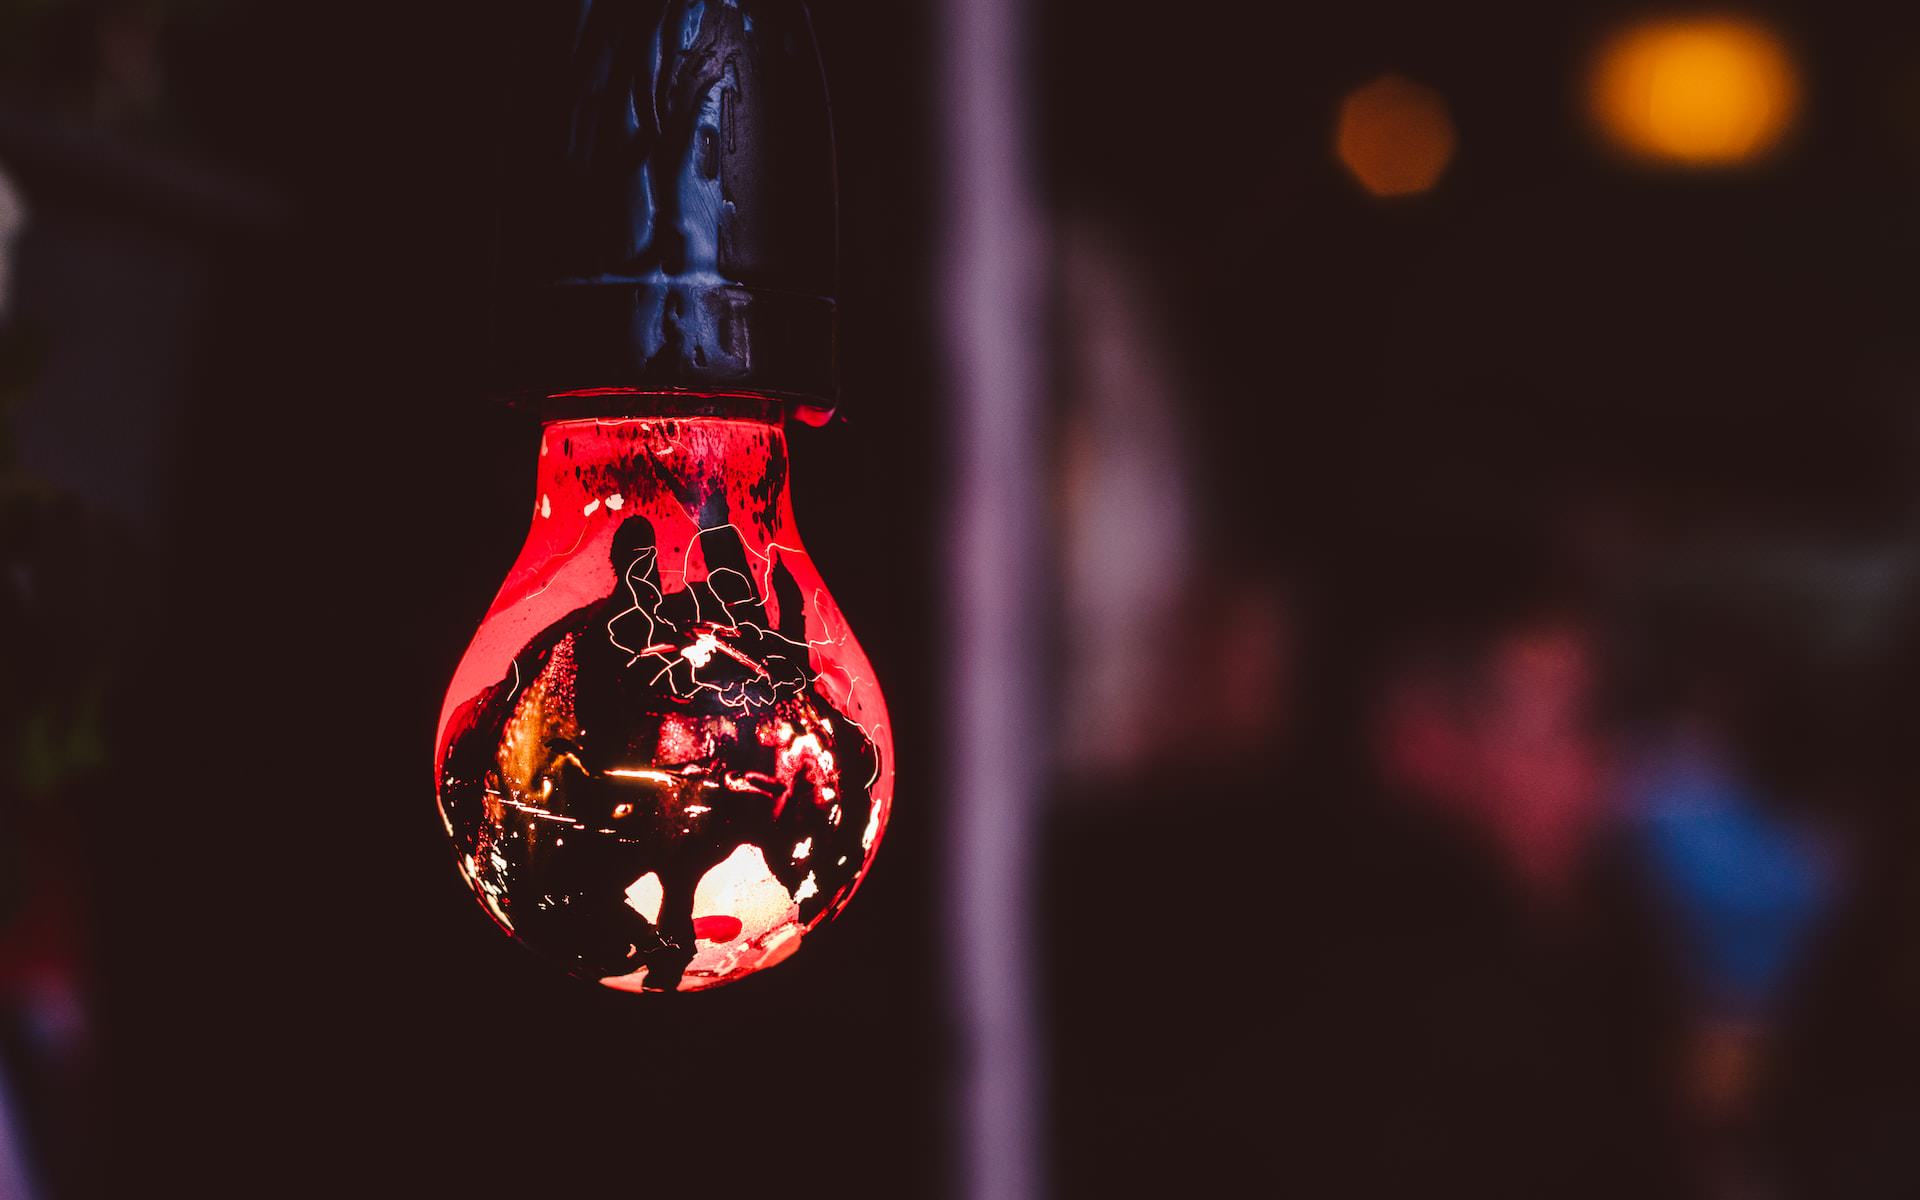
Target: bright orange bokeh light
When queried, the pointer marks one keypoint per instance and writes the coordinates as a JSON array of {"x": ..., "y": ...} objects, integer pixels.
[
  {"x": 1395, "y": 136},
  {"x": 1698, "y": 91}
]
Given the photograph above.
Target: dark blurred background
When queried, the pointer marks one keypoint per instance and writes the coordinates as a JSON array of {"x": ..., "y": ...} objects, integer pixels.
[{"x": 1478, "y": 616}]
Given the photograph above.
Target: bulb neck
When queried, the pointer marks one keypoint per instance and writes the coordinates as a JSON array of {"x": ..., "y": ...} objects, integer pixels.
[{"x": 697, "y": 472}]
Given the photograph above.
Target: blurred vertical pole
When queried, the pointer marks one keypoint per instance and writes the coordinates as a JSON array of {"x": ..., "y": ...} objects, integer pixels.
[
  {"x": 993, "y": 267},
  {"x": 13, "y": 1165}
]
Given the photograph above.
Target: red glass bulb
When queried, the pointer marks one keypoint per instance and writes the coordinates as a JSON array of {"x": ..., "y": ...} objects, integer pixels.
[{"x": 664, "y": 759}]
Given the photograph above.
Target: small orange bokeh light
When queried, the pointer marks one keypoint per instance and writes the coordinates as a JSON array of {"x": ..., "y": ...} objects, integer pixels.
[
  {"x": 1395, "y": 136},
  {"x": 1695, "y": 91}
]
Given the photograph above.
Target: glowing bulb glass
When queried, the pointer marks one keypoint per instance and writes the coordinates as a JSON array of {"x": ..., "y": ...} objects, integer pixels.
[{"x": 664, "y": 759}]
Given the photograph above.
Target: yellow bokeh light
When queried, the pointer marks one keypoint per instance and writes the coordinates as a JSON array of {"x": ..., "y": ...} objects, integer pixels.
[
  {"x": 1700, "y": 91},
  {"x": 1395, "y": 136}
]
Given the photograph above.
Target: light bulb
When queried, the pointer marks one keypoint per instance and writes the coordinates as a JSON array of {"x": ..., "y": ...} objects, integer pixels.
[{"x": 664, "y": 759}]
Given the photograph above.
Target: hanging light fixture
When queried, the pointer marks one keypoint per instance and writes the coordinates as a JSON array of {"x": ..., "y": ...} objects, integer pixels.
[{"x": 664, "y": 759}]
